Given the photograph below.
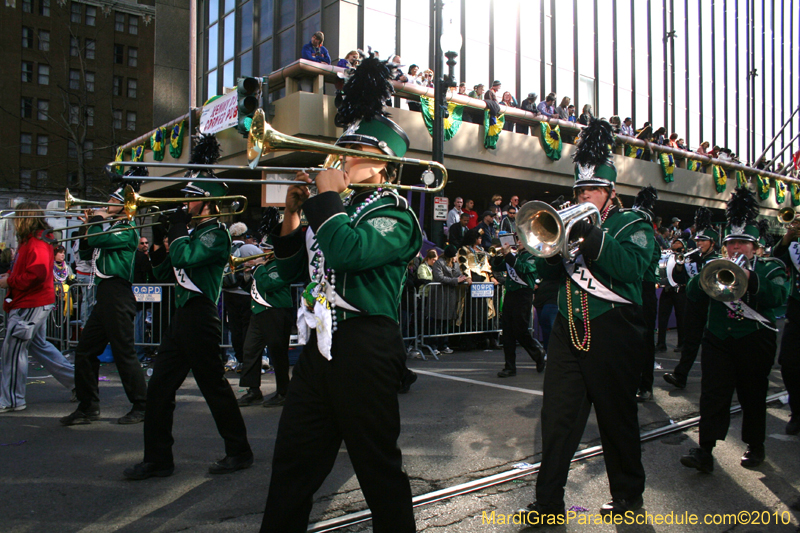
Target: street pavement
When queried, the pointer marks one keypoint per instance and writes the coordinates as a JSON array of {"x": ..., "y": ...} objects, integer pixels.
[{"x": 460, "y": 423}]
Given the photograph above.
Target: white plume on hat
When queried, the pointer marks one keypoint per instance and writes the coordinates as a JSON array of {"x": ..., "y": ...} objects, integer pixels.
[{"x": 238, "y": 229}]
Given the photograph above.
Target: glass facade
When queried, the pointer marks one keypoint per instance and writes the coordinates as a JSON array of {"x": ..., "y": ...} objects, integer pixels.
[{"x": 722, "y": 71}]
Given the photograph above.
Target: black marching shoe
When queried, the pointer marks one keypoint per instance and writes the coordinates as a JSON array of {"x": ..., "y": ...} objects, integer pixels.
[
  {"x": 793, "y": 426},
  {"x": 661, "y": 348},
  {"x": 147, "y": 470},
  {"x": 536, "y": 516},
  {"x": 674, "y": 381},
  {"x": 79, "y": 418},
  {"x": 276, "y": 400},
  {"x": 538, "y": 355},
  {"x": 621, "y": 506},
  {"x": 754, "y": 456},
  {"x": 251, "y": 397},
  {"x": 230, "y": 464},
  {"x": 700, "y": 459},
  {"x": 135, "y": 416},
  {"x": 644, "y": 396},
  {"x": 506, "y": 373}
]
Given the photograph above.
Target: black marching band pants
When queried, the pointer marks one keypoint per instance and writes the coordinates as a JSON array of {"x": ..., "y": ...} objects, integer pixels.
[
  {"x": 694, "y": 323},
  {"x": 192, "y": 344},
  {"x": 789, "y": 357},
  {"x": 606, "y": 377},
  {"x": 111, "y": 321},
  {"x": 743, "y": 365},
  {"x": 671, "y": 297},
  {"x": 517, "y": 309},
  {"x": 272, "y": 327},
  {"x": 352, "y": 398},
  {"x": 649, "y": 308},
  {"x": 237, "y": 318}
]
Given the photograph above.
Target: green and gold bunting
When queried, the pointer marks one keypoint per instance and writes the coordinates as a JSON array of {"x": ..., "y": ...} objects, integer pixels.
[
  {"x": 763, "y": 187},
  {"x": 668, "y": 166},
  {"x": 491, "y": 133},
  {"x": 693, "y": 165},
  {"x": 780, "y": 191},
  {"x": 119, "y": 157},
  {"x": 720, "y": 177},
  {"x": 176, "y": 140},
  {"x": 741, "y": 179},
  {"x": 158, "y": 143},
  {"x": 635, "y": 152},
  {"x": 551, "y": 140},
  {"x": 138, "y": 153},
  {"x": 795, "y": 195},
  {"x": 451, "y": 123}
]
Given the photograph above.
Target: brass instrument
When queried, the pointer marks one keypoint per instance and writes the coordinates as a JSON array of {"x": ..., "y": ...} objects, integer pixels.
[
  {"x": 786, "y": 215},
  {"x": 70, "y": 200},
  {"x": 236, "y": 262},
  {"x": 544, "y": 231},
  {"x": 134, "y": 202},
  {"x": 87, "y": 235},
  {"x": 680, "y": 258},
  {"x": 725, "y": 280}
]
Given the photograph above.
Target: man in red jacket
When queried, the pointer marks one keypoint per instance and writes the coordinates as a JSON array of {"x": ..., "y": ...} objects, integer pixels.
[{"x": 30, "y": 296}]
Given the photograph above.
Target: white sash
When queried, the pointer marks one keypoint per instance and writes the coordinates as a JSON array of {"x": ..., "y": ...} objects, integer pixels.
[
  {"x": 513, "y": 275},
  {"x": 257, "y": 295},
  {"x": 584, "y": 277},
  {"x": 794, "y": 254},
  {"x": 184, "y": 281},
  {"x": 751, "y": 314},
  {"x": 691, "y": 269}
]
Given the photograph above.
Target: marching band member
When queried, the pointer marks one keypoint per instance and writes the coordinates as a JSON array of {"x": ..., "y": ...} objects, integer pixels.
[
  {"x": 696, "y": 312},
  {"x": 595, "y": 350},
  {"x": 788, "y": 249},
  {"x": 195, "y": 261},
  {"x": 672, "y": 297},
  {"x": 112, "y": 317},
  {"x": 345, "y": 384},
  {"x": 520, "y": 268},
  {"x": 739, "y": 343}
]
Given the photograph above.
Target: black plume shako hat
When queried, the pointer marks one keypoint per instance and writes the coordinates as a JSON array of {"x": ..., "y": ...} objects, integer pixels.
[
  {"x": 204, "y": 152},
  {"x": 645, "y": 202},
  {"x": 704, "y": 229},
  {"x": 594, "y": 166},
  {"x": 360, "y": 108},
  {"x": 119, "y": 190},
  {"x": 741, "y": 213}
]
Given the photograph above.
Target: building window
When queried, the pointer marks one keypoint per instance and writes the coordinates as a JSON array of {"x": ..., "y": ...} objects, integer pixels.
[
  {"x": 119, "y": 52},
  {"x": 43, "y": 109},
  {"x": 117, "y": 87},
  {"x": 90, "y": 82},
  {"x": 27, "y": 6},
  {"x": 44, "y": 40},
  {"x": 72, "y": 151},
  {"x": 74, "y": 79},
  {"x": 88, "y": 149},
  {"x": 41, "y": 145},
  {"x": 119, "y": 21},
  {"x": 41, "y": 179},
  {"x": 25, "y": 143},
  {"x": 44, "y": 74},
  {"x": 133, "y": 56},
  {"x": 90, "y": 115},
  {"x": 131, "y": 88},
  {"x": 133, "y": 25},
  {"x": 91, "y": 46},
  {"x": 74, "y": 46},
  {"x": 44, "y": 8},
  {"x": 117, "y": 119},
  {"x": 91, "y": 15},
  {"x": 27, "y": 37},
  {"x": 27, "y": 71},
  {"x": 74, "y": 114},
  {"x": 27, "y": 107},
  {"x": 75, "y": 13},
  {"x": 24, "y": 179},
  {"x": 131, "y": 121}
]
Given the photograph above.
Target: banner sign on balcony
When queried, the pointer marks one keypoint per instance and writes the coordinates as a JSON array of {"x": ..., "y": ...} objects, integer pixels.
[
  {"x": 176, "y": 140},
  {"x": 451, "y": 122},
  {"x": 551, "y": 140},
  {"x": 795, "y": 195},
  {"x": 720, "y": 177},
  {"x": 667, "y": 166},
  {"x": 780, "y": 191},
  {"x": 220, "y": 114},
  {"x": 492, "y": 127},
  {"x": 763, "y": 187}
]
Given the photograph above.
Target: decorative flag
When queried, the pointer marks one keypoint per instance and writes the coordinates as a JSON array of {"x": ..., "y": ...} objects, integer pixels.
[
  {"x": 138, "y": 153},
  {"x": 763, "y": 188},
  {"x": 667, "y": 165},
  {"x": 693, "y": 165},
  {"x": 551, "y": 140},
  {"x": 741, "y": 179},
  {"x": 492, "y": 132},
  {"x": 119, "y": 157},
  {"x": 780, "y": 191},
  {"x": 451, "y": 123},
  {"x": 158, "y": 144},
  {"x": 635, "y": 152},
  {"x": 720, "y": 177},
  {"x": 176, "y": 140},
  {"x": 795, "y": 195}
]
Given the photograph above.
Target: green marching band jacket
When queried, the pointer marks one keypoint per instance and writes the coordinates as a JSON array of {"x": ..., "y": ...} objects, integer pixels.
[
  {"x": 114, "y": 253},
  {"x": 692, "y": 269},
  {"x": 519, "y": 268},
  {"x": 614, "y": 276},
  {"x": 268, "y": 289},
  {"x": 367, "y": 246},
  {"x": 651, "y": 272},
  {"x": 195, "y": 261},
  {"x": 766, "y": 290},
  {"x": 791, "y": 256}
]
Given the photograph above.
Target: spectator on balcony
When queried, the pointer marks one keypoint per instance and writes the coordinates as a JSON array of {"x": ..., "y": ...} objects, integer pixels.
[
  {"x": 682, "y": 145},
  {"x": 508, "y": 101},
  {"x": 455, "y": 235},
  {"x": 627, "y": 127},
  {"x": 563, "y": 109},
  {"x": 475, "y": 115},
  {"x": 547, "y": 108},
  {"x": 455, "y": 213},
  {"x": 415, "y": 78},
  {"x": 673, "y": 140},
  {"x": 477, "y": 92},
  {"x": 586, "y": 115},
  {"x": 469, "y": 208},
  {"x": 492, "y": 94},
  {"x": 703, "y": 148},
  {"x": 529, "y": 105},
  {"x": 427, "y": 78},
  {"x": 571, "y": 113},
  {"x": 350, "y": 60},
  {"x": 616, "y": 123},
  {"x": 660, "y": 136},
  {"x": 462, "y": 88},
  {"x": 314, "y": 51},
  {"x": 714, "y": 153}
]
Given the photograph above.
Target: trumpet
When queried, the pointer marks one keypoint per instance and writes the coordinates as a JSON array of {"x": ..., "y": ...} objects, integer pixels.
[
  {"x": 786, "y": 215},
  {"x": 725, "y": 279},
  {"x": 544, "y": 231},
  {"x": 680, "y": 258},
  {"x": 236, "y": 262}
]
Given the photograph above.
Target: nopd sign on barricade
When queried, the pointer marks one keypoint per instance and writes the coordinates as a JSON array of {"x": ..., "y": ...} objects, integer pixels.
[
  {"x": 147, "y": 293},
  {"x": 482, "y": 290}
]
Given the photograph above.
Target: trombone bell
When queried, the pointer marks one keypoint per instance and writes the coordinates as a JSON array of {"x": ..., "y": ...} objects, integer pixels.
[
  {"x": 236, "y": 262},
  {"x": 786, "y": 215},
  {"x": 70, "y": 201},
  {"x": 544, "y": 231},
  {"x": 134, "y": 202}
]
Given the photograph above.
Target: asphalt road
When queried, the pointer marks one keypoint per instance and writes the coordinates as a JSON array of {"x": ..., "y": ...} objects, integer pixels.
[{"x": 460, "y": 423}]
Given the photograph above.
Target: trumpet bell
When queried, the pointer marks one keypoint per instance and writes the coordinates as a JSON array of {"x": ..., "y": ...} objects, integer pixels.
[
  {"x": 544, "y": 231},
  {"x": 786, "y": 215},
  {"x": 725, "y": 280}
]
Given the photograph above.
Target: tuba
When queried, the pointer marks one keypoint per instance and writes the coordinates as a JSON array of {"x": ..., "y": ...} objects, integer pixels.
[
  {"x": 544, "y": 231},
  {"x": 725, "y": 280}
]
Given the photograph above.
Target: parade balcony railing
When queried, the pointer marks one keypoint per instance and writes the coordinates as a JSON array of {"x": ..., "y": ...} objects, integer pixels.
[{"x": 314, "y": 77}]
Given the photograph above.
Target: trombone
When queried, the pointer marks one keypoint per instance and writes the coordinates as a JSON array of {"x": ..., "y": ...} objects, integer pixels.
[
  {"x": 134, "y": 202},
  {"x": 236, "y": 262},
  {"x": 107, "y": 232}
]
